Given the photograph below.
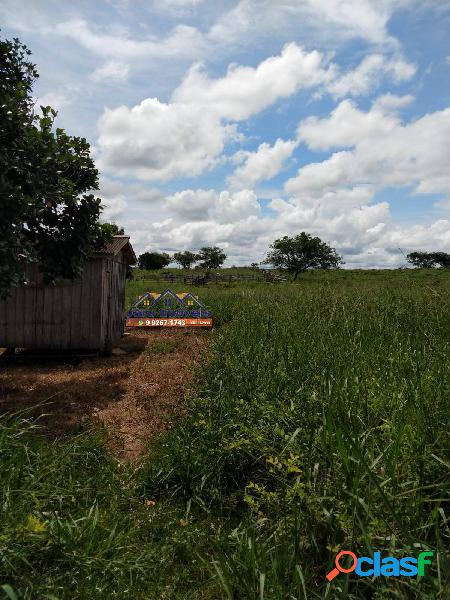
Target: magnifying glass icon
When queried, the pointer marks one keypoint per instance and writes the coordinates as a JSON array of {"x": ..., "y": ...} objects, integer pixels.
[{"x": 340, "y": 569}]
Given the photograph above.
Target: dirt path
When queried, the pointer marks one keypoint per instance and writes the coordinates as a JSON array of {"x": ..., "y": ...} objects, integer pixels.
[
  {"x": 136, "y": 394},
  {"x": 156, "y": 387}
]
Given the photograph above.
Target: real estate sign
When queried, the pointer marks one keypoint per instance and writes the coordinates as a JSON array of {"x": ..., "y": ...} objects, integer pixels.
[{"x": 168, "y": 309}]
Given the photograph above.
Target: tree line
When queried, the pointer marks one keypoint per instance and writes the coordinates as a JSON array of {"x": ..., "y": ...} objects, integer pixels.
[
  {"x": 294, "y": 254},
  {"x": 208, "y": 257},
  {"x": 429, "y": 260}
]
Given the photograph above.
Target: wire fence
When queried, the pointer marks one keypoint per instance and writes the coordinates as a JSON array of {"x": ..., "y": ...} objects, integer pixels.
[{"x": 207, "y": 278}]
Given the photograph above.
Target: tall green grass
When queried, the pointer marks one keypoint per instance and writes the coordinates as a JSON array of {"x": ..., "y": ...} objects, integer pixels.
[
  {"x": 322, "y": 424},
  {"x": 75, "y": 525}
]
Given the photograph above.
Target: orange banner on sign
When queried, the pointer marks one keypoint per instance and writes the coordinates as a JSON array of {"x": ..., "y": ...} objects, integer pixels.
[{"x": 169, "y": 322}]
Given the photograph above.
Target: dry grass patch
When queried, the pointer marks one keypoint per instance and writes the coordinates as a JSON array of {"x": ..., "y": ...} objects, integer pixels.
[{"x": 135, "y": 394}]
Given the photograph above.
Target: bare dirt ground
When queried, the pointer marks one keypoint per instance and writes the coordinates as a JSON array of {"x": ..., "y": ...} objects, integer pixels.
[{"x": 136, "y": 394}]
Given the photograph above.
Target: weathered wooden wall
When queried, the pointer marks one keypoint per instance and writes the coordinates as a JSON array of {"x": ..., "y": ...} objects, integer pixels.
[
  {"x": 61, "y": 316},
  {"x": 86, "y": 313}
]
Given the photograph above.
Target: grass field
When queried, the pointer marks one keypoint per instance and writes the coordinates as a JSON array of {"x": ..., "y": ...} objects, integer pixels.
[{"x": 320, "y": 422}]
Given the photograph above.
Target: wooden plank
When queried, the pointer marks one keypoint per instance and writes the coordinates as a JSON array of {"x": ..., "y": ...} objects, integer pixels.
[
  {"x": 118, "y": 302},
  {"x": 2, "y": 321},
  {"x": 84, "y": 307},
  {"x": 10, "y": 315},
  {"x": 18, "y": 317},
  {"x": 93, "y": 308},
  {"x": 65, "y": 294},
  {"x": 56, "y": 320},
  {"x": 103, "y": 333},
  {"x": 47, "y": 318},
  {"x": 67, "y": 315},
  {"x": 3, "y": 316},
  {"x": 63, "y": 298},
  {"x": 76, "y": 329},
  {"x": 97, "y": 302},
  {"x": 39, "y": 324},
  {"x": 101, "y": 303}
]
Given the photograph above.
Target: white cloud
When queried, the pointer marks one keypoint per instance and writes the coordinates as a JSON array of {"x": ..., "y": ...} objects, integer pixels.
[
  {"x": 184, "y": 137},
  {"x": 181, "y": 41},
  {"x": 185, "y": 134},
  {"x": 235, "y": 222},
  {"x": 368, "y": 74},
  {"x": 385, "y": 151},
  {"x": 177, "y": 3},
  {"x": 191, "y": 204},
  {"x": 392, "y": 103},
  {"x": 329, "y": 20},
  {"x": 159, "y": 141},
  {"x": 111, "y": 71},
  {"x": 118, "y": 197},
  {"x": 363, "y": 231},
  {"x": 346, "y": 126},
  {"x": 114, "y": 201},
  {"x": 56, "y": 100},
  {"x": 207, "y": 205},
  {"x": 245, "y": 91},
  {"x": 419, "y": 237},
  {"x": 261, "y": 165}
]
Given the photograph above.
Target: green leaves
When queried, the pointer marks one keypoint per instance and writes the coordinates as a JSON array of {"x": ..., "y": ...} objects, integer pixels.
[
  {"x": 185, "y": 259},
  {"x": 211, "y": 257},
  {"x": 154, "y": 260},
  {"x": 10, "y": 593},
  {"x": 429, "y": 260},
  {"x": 302, "y": 252},
  {"x": 47, "y": 213}
]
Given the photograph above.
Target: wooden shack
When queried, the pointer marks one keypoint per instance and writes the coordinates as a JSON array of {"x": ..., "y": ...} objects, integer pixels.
[{"x": 86, "y": 313}]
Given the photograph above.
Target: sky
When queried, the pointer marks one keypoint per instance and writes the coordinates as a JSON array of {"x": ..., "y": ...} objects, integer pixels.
[{"x": 235, "y": 122}]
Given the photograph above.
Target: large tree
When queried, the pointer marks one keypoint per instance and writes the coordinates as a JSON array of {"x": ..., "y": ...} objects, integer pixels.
[
  {"x": 211, "y": 257},
  {"x": 302, "y": 252},
  {"x": 112, "y": 229},
  {"x": 185, "y": 259},
  {"x": 47, "y": 213},
  {"x": 429, "y": 260},
  {"x": 154, "y": 260}
]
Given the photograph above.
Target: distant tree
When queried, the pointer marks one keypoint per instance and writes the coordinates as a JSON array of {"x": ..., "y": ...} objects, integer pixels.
[
  {"x": 111, "y": 229},
  {"x": 254, "y": 265},
  {"x": 48, "y": 214},
  {"x": 302, "y": 252},
  {"x": 185, "y": 259},
  {"x": 154, "y": 260},
  {"x": 429, "y": 260},
  {"x": 442, "y": 259},
  {"x": 211, "y": 257},
  {"x": 420, "y": 259}
]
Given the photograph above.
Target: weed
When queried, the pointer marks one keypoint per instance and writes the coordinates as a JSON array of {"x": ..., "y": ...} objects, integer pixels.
[{"x": 160, "y": 347}]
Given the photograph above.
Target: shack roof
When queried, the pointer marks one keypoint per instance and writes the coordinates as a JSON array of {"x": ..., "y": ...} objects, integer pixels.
[{"x": 115, "y": 245}]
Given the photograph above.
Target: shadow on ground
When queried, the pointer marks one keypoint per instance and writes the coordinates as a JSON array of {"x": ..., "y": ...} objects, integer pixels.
[
  {"x": 135, "y": 394},
  {"x": 63, "y": 390}
]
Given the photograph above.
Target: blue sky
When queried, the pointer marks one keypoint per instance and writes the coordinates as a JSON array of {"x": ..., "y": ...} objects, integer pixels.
[{"x": 236, "y": 122}]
